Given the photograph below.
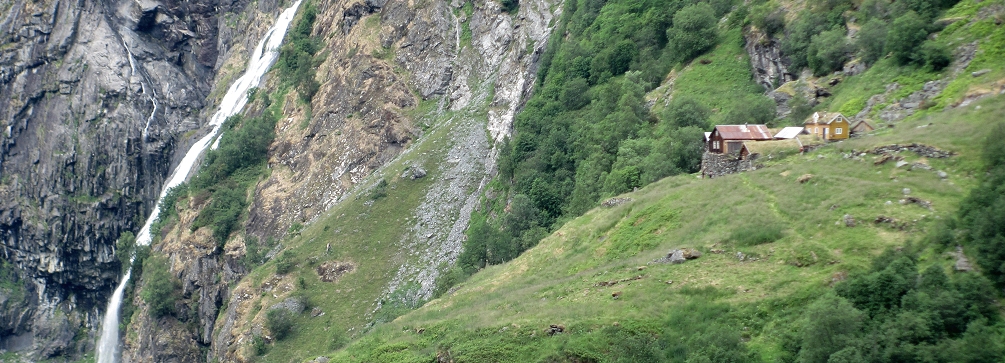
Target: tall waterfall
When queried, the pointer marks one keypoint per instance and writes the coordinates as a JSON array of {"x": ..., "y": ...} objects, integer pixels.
[{"x": 264, "y": 56}]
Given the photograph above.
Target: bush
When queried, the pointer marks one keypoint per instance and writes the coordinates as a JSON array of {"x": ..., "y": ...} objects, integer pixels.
[
  {"x": 872, "y": 40},
  {"x": 297, "y": 62},
  {"x": 280, "y": 322},
  {"x": 684, "y": 111},
  {"x": 693, "y": 31},
  {"x": 752, "y": 235},
  {"x": 936, "y": 56},
  {"x": 981, "y": 213},
  {"x": 832, "y": 325},
  {"x": 159, "y": 286},
  {"x": 905, "y": 35},
  {"x": 285, "y": 263},
  {"x": 799, "y": 36},
  {"x": 828, "y": 51},
  {"x": 124, "y": 249},
  {"x": 768, "y": 17}
]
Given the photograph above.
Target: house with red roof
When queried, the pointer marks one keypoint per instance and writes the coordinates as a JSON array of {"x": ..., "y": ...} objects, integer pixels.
[{"x": 726, "y": 139}]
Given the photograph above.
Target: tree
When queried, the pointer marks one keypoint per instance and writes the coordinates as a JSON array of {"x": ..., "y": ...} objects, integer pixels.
[
  {"x": 685, "y": 111},
  {"x": 280, "y": 322},
  {"x": 832, "y": 325},
  {"x": 872, "y": 40},
  {"x": 906, "y": 33},
  {"x": 159, "y": 286},
  {"x": 828, "y": 51},
  {"x": 693, "y": 31}
]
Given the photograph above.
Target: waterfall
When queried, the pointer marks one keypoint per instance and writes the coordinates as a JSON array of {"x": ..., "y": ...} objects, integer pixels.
[{"x": 261, "y": 59}]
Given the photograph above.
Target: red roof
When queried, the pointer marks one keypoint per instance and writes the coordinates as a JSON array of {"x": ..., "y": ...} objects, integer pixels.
[{"x": 744, "y": 132}]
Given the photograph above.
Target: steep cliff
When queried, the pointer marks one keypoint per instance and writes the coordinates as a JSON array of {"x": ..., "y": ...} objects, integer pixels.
[
  {"x": 95, "y": 98},
  {"x": 391, "y": 74}
]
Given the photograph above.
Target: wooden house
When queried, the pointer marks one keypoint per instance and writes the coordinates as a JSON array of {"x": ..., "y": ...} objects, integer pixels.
[
  {"x": 829, "y": 126},
  {"x": 729, "y": 138},
  {"x": 861, "y": 127}
]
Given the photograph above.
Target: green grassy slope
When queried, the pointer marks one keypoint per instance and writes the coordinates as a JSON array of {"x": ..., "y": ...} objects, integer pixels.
[{"x": 501, "y": 313}]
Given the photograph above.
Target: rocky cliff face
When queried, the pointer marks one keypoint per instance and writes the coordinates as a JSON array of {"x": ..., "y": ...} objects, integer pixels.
[
  {"x": 771, "y": 67},
  {"x": 94, "y": 98}
]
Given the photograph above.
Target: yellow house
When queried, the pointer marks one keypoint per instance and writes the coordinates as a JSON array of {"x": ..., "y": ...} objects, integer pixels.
[{"x": 828, "y": 125}]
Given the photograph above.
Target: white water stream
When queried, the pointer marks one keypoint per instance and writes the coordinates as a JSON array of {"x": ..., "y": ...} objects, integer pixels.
[{"x": 264, "y": 56}]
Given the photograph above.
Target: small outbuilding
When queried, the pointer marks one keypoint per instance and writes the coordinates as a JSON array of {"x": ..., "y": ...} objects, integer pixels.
[
  {"x": 729, "y": 138},
  {"x": 861, "y": 127},
  {"x": 829, "y": 126},
  {"x": 789, "y": 133}
]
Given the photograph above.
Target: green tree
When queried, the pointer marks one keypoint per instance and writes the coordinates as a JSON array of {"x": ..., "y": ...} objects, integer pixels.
[
  {"x": 159, "y": 286},
  {"x": 982, "y": 213},
  {"x": 832, "y": 324},
  {"x": 872, "y": 40},
  {"x": 693, "y": 31},
  {"x": 906, "y": 34},
  {"x": 828, "y": 51},
  {"x": 685, "y": 111},
  {"x": 280, "y": 322}
]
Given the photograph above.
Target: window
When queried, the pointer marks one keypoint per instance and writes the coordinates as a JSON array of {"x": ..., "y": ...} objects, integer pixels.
[
  {"x": 837, "y": 131},
  {"x": 715, "y": 145}
]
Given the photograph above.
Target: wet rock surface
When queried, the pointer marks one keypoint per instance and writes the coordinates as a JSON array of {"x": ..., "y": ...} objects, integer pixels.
[{"x": 94, "y": 99}]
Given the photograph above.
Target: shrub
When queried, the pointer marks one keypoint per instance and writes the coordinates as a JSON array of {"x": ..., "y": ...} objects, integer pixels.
[
  {"x": 684, "y": 111},
  {"x": 905, "y": 35},
  {"x": 693, "y": 31},
  {"x": 832, "y": 325},
  {"x": 981, "y": 215},
  {"x": 752, "y": 235},
  {"x": 872, "y": 40},
  {"x": 285, "y": 263},
  {"x": 936, "y": 56},
  {"x": 280, "y": 322},
  {"x": 828, "y": 51},
  {"x": 124, "y": 249},
  {"x": 799, "y": 36},
  {"x": 768, "y": 17},
  {"x": 159, "y": 286}
]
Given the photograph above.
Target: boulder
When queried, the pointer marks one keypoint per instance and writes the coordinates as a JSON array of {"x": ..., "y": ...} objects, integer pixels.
[{"x": 804, "y": 178}]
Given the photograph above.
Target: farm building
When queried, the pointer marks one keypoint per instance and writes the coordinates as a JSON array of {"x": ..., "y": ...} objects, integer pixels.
[
  {"x": 861, "y": 127},
  {"x": 828, "y": 125},
  {"x": 726, "y": 139},
  {"x": 789, "y": 133}
]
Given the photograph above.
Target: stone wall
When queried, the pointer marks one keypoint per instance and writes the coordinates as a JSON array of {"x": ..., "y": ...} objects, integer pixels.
[{"x": 713, "y": 165}]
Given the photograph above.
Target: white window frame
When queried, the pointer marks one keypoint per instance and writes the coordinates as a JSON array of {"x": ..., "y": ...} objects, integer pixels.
[
  {"x": 837, "y": 131},
  {"x": 715, "y": 145}
]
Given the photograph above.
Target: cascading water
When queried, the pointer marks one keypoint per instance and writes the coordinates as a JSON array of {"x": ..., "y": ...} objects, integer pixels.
[{"x": 264, "y": 56}]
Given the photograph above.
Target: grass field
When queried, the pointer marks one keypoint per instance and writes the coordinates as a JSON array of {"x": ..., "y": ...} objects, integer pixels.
[{"x": 501, "y": 313}]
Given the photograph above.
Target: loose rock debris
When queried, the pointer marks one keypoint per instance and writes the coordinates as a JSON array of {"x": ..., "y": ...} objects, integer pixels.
[
  {"x": 676, "y": 256},
  {"x": 615, "y": 282}
]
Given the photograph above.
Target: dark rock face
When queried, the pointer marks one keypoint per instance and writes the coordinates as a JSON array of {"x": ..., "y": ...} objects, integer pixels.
[
  {"x": 771, "y": 67},
  {"x": 93, "y": 98}
]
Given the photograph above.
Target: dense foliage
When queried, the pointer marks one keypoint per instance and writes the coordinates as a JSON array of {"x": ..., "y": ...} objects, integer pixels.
[
  {"x": 815, "y": 39},
  {"x": 893, "y": 313},
  {"x": 159, "y": 288},
  {"x": 229, "y": 170},
  {"x": 588, "y": 133},
  {"x": 298, "y": 60},
  {"x": 982, "y": 214}
]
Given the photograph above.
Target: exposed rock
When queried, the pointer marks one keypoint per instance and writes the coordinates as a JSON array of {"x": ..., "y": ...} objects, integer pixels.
[
  {"x": 802, "y": 179},
  {"x": 980, "y": 72},
  {"x": 769, "y": 65},
  {"x": 330, "y": 271},
  {"x": 558, "y": 328},
  {"x": 849, "y": 221},
  {"x": 900, "y": 164},
  {"x": 94, "y": 99},
  {"x": 922, "y": 150},
  {"x": 418, "y": 173},
  {"x": 962, "y": 263},
  {"x": 942, "y": 174},
  {"x": 615, "y": 201},
  {"x": 677, "y": 256},
  {"x": 921, "y": 202},
  {"x": 713, "y": 165},
  {"x": 906, "y": 191}
]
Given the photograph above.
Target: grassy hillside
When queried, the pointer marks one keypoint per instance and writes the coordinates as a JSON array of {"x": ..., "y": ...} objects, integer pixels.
[{"x": 718, "y": 300}]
